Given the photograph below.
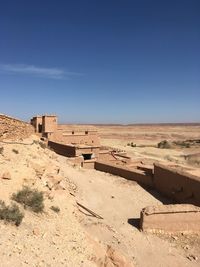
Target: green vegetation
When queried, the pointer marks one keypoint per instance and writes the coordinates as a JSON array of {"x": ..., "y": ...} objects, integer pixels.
[
  {"x": 30, "y": 198},
  {"x": 10, "y": 213}
]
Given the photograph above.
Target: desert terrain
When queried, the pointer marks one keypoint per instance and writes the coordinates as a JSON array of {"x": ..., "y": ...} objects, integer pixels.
[
  {"x": 145, "y": 139},
  {"x": 74, "y": 237}
]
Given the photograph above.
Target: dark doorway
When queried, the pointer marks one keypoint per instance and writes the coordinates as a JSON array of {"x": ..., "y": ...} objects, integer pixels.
[
  {"x": 39, "y": 127},
  {"x": 87, "y": 156}
]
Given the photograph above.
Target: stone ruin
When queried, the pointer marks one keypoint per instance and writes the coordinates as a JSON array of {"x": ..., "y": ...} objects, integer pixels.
[
  {"x": 75, "y": 141},
  {"x": 82, "y": 145}
]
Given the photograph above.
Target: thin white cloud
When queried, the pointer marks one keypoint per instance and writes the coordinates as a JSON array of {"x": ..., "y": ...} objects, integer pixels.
[{"x": 50, "y": 73}]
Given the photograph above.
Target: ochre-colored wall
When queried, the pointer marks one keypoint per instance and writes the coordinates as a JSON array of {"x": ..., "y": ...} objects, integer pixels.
[
  {"x": 90, "y": 150},
  {"x": 90, "y": 139},
  {"x": 171, "y": 218},
  {"x": 88, "y": 164},
  {"x": 134, "y": 175},
  {"x": 105, "y": 157},
  {"x": 179, "y": 186},
  {"x": 64, "y": 150},
  {"x": 36, "y": 122},
  {"x": 49, "y": 124},
  {"x": 66, "y": 134}
]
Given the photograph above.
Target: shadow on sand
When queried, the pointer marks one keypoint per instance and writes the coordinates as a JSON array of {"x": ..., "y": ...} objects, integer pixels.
[{"x": 135, "y": 222}]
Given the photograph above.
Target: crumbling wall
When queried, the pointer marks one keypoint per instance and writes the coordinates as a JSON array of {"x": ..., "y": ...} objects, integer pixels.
[
  {"x": 171, "y": 218},
  {"x": 13, "y": 129},
  {"x": 64, "y": 150},
  {"x": 135, "y": 175},
  {"x": 179, "y": 186}
]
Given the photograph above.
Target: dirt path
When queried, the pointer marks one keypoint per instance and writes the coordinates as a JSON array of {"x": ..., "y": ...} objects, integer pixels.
[{"x": 119, "y": 202}]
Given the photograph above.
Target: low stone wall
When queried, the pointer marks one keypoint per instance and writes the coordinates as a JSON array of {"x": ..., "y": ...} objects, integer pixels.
[
  {"x": 179, "y": 186},
  {"x": 105, "y": 156},
  {"x": 14, "y": 129},
  {"x": 135, "y": 175},
  {"x": 171, "y": 218},
  {"x": 64, "y": 150},
  {"x": 88, "y": 164}
]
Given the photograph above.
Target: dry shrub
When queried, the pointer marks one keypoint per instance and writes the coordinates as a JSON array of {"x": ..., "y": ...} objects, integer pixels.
[
  {"x": 131, "y": 144},
  {"x": 183, "y": 144},
  {"x": 55, "y": 209},
  {"x": 30, "y": 198},
  {"x": 164, "y": 144},
  {"x": 11, "y": 213}
]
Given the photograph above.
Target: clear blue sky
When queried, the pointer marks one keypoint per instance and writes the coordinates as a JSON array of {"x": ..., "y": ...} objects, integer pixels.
[{"x": 101, "y": 61}]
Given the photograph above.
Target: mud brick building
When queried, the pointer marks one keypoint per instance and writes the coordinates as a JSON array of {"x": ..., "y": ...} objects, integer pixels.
[{"x": 69, "y": 140}]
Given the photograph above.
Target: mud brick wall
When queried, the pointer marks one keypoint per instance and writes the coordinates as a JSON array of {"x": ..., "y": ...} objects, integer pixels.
[
  {"x": 76, "y": 138},
  {"x": 179, "y": 186},
  {"x": 14, "y": 129},
  {"x": 171, "y": 218},
  {"x": 88, "y": 164},
  {"x": 87, "y": 150},
  {"x": 64, "y": 150},
  {"x": 134, "y": 175},
  {"x": 105, "y": 156}
]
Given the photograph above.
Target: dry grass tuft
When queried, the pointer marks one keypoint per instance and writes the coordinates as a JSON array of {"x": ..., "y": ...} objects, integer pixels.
[
  {"x": 11, "y": 213},
  {"x": 30, "y": 198}
]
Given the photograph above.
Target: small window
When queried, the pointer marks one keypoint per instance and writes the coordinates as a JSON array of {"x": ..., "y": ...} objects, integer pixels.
[
  {"x": 86, "y": 132},
  {"x": 87, "y": 156},
  {"x": 72, "y": 132}
]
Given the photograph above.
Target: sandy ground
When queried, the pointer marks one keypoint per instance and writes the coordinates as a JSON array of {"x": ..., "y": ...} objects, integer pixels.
[
  {"x": 149, "y": 134},
  {"x": 73, "y": 237},
  {"x": 119, "y": 202},
  {"x": 147, "y": 137},
  {"x": 46, "y": 239}
]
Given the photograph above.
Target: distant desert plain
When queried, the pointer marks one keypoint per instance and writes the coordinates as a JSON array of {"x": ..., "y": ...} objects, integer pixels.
[{"x": 141, "y": 141}]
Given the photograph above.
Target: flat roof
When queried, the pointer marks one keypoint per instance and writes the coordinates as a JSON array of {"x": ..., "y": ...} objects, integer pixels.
[
  {"x": 76, "y": 127},
  {"x": 79, "y": 146}
]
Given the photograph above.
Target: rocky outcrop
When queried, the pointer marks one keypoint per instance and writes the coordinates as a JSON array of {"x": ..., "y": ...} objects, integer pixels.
[{"x": 11, "y": 128}]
